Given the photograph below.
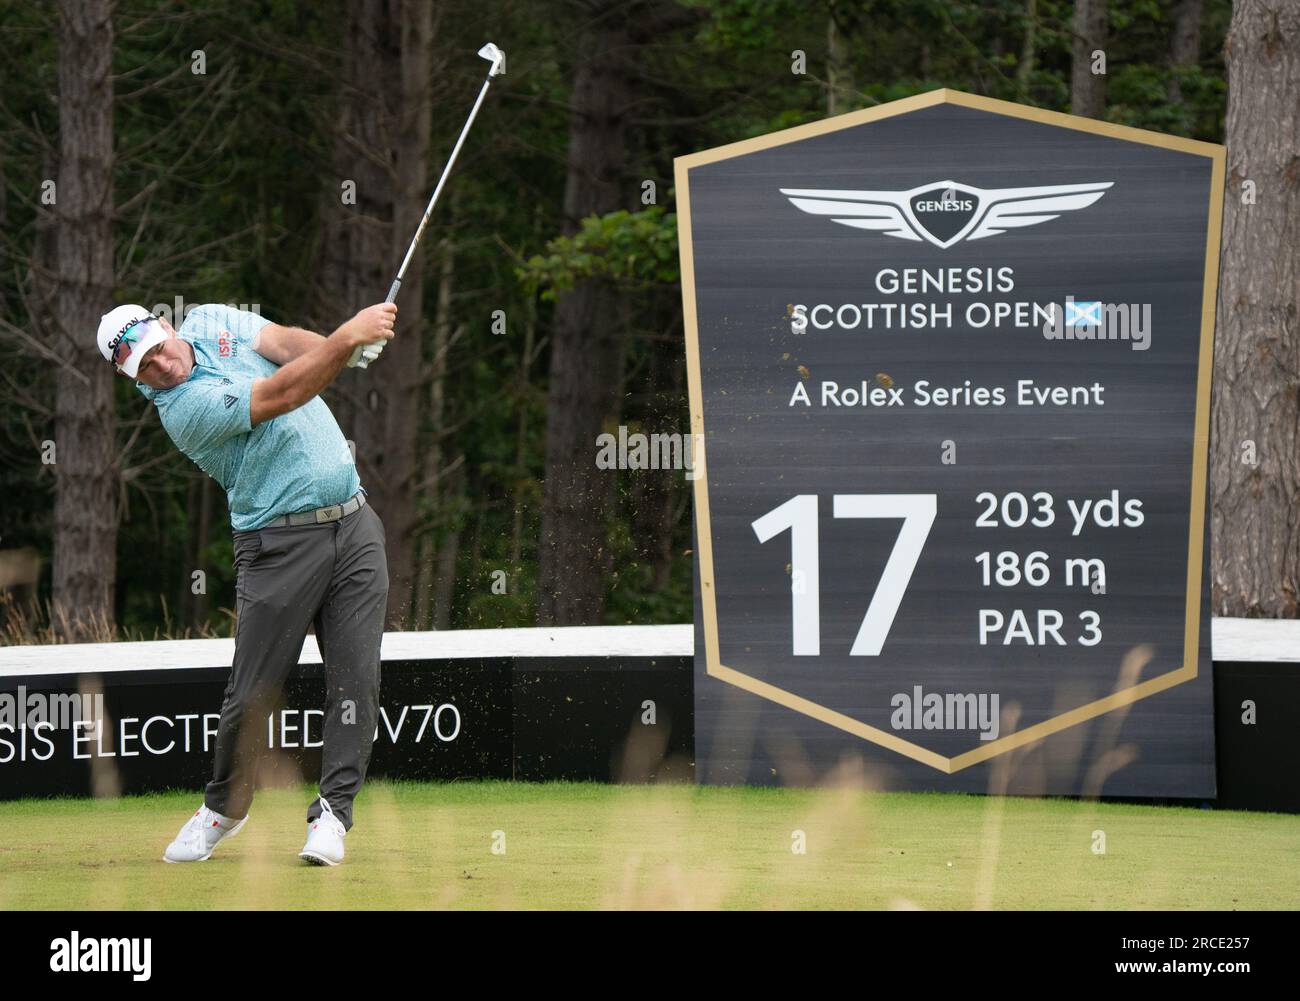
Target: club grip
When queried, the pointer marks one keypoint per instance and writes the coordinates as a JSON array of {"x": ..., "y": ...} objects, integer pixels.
[{"x": 392, "y": 292}]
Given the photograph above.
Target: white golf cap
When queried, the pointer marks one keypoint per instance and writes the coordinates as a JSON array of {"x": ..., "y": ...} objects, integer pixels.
[{"x": 128, "y": 327}]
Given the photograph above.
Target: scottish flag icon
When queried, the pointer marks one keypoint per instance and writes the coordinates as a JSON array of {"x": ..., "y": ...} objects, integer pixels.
[{"x": 1082, "y": 314}]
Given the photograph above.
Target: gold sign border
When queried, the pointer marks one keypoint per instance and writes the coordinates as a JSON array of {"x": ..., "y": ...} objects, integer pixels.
[{"x": 1200, "y": 453}]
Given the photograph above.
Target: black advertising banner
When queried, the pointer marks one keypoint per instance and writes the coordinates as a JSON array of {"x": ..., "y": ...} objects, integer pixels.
[
  {"x": 578, "y": 717},
  {"x": 950, "y": 384},
  {"x": 132, "y": 732}
]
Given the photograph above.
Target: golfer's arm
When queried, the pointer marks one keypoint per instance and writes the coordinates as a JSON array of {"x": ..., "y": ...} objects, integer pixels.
[
  {"x": 300, "y": 380},
  {"x": 282, "y": 345}
]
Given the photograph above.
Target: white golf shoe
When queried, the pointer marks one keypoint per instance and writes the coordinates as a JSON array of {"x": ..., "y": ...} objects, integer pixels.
[
  {"x": 324, "y": 838},
  {"x": 200, "y": 835}
]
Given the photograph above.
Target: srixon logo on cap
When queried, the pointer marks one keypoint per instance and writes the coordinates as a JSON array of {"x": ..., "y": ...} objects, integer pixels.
[
  {"x": 112, "y": 345},
  {"x": 945, "y": 212}
]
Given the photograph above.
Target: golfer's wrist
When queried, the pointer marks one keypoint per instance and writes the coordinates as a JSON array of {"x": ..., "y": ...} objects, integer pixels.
[{"x": 347, "y": 338}]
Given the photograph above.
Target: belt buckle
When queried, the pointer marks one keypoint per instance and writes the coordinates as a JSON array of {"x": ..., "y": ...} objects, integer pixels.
[{"x": 332, "y": 513}]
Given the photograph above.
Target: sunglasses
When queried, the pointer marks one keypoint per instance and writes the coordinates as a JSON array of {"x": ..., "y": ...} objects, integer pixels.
[{"x": 130, "y": 335}]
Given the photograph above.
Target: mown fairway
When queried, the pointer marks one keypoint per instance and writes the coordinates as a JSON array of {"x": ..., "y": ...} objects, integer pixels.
[{"x": 578, "y": 845}]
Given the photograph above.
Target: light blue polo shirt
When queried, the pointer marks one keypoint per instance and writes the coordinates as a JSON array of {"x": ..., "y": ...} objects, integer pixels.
[{"x": 298, "y": 461}]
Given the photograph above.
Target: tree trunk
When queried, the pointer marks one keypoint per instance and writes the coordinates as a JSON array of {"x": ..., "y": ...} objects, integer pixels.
[
  {"x": 185, "y": 596},
  {"x": 524, "y": 386},
  {"x": 586, "y": 347},
  {"x": 382, "y": 144},
  {"x": 1088, "y": 89},
  {"x": 839, "y": 70},
  {"x": 1184, "y": 43},
  {"x": 200, "y": 536},
  {"x": 86, "y": 476},
  {"x": 432, "y": 475},
  {"x": 1028, "y": 48},
  {"x": 444, "y": 592},
  {"x": 1256, "y": 465},
  {"x": 662, "y": 555}
]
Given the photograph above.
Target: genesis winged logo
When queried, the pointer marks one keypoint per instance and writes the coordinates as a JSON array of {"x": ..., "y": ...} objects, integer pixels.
[{"x": 944, "y": 213}]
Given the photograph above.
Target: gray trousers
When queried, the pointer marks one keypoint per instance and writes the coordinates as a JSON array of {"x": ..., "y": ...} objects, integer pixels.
[{"x": 335, "y": 575}]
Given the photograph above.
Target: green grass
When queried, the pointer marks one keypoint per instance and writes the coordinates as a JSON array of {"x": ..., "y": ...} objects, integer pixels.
[{"x": 579, "y": 845}]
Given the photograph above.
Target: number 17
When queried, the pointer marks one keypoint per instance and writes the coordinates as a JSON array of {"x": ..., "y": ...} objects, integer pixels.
[{"x": 799, "y": 515}]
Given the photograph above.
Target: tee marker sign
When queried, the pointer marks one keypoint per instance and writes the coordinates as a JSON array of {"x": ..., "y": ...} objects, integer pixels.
[{"x": 949, "y": 369}]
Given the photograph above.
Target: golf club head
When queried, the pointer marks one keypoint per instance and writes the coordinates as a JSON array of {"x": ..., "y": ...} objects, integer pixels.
[{"x": 497, "y": 57}]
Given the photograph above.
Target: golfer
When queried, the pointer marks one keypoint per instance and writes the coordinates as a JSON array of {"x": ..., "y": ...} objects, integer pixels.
[{"x": 239, "y": 396}]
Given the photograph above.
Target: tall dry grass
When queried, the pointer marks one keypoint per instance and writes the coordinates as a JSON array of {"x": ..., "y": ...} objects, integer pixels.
[{"x": 32, "y": 622}]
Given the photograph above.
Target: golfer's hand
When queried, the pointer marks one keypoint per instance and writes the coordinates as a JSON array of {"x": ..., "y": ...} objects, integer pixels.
[
  {"x": 368, "y": 332},
  {"x": 374, "y": 324}
]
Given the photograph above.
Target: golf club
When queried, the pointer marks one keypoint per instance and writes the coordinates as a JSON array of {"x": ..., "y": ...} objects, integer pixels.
[{"x": 493, "y": 54}]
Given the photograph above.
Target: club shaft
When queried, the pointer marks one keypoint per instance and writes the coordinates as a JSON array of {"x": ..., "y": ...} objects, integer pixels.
[{"x": 410, "y": 251}]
